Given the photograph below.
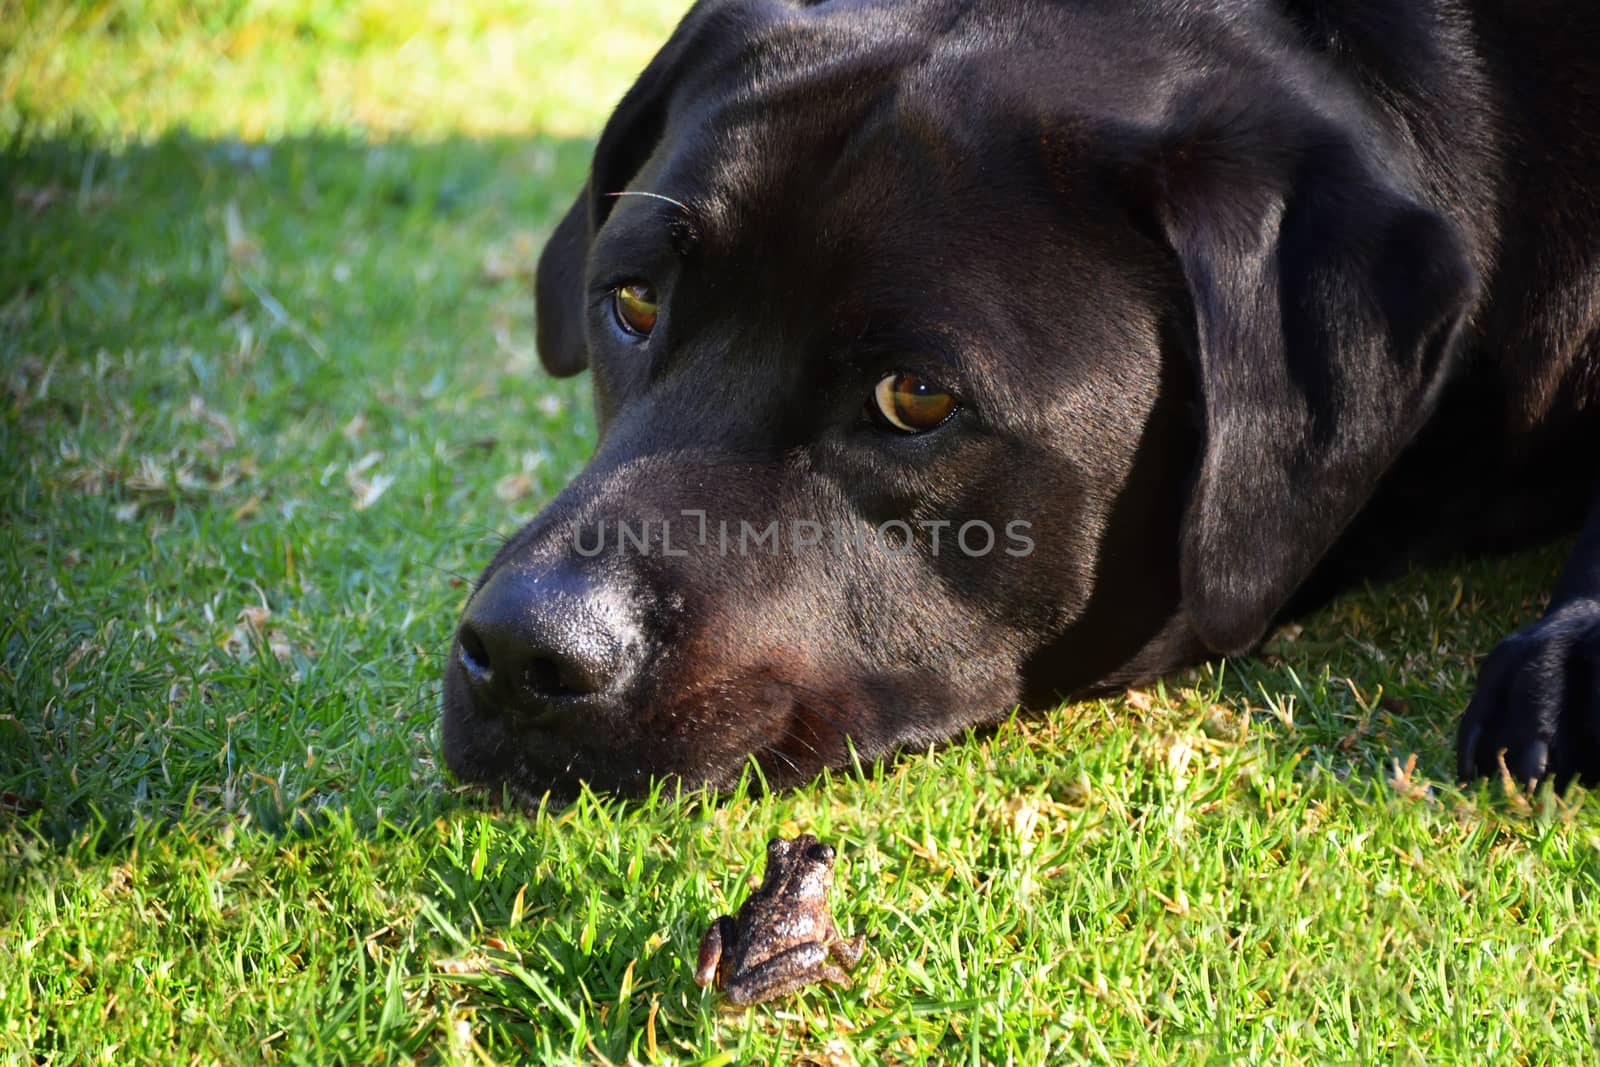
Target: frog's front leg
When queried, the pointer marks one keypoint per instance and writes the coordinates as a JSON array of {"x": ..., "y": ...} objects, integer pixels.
[
  {"x": 784, "y": 973},
  {"x": 848, "y": 953},
  {"x": 717, "y": 943}
]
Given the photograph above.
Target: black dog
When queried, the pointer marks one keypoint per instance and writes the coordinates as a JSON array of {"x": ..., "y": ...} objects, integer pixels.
[{"x": 950, "y": 355}]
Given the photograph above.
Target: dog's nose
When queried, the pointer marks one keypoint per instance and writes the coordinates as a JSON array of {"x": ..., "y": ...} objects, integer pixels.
[{"x": 548, "y": 643}]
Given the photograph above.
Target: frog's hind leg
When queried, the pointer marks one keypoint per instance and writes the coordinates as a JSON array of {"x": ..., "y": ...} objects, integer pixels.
[{"x": 783, "y": 974}]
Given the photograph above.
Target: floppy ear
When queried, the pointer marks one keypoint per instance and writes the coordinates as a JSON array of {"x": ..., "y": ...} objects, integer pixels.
[
  {"x": 1326, "y": 304},
  {"x": 558, "y": 293}
]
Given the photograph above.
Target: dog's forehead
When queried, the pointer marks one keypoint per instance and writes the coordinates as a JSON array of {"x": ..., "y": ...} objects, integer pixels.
[
  {"x": 852, "y": 109},
  {"x": 750, "y": 154}
]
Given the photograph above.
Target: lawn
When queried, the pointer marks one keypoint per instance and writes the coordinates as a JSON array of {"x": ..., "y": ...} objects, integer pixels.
[{"x": 269, "y": 398}]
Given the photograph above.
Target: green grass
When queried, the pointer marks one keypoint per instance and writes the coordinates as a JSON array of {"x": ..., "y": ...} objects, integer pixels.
[{"x": 269, "y": 393}]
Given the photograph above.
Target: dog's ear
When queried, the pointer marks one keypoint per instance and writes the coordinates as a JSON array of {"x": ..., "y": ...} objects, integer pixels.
[
  {"x": 1326, "y": 302},
  {"x": 627, "y": 142},
  {"x": 558, "y": 293}
]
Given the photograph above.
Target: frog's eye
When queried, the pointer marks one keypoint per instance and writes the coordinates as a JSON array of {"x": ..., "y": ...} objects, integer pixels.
[
  {"x": 911, "y": 404},
  {"x": 820, "y": 853},
  {"x": 635, "y": 308}
]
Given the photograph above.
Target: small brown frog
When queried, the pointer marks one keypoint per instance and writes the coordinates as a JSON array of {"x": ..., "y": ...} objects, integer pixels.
[{"x": 783, "y": 937}]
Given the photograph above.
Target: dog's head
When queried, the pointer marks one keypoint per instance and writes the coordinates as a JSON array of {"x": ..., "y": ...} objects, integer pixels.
[{"x": 946, "y": 357}]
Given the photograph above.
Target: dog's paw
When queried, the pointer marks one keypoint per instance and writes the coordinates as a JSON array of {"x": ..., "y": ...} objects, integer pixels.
[{"x": 1537, "y": 708}]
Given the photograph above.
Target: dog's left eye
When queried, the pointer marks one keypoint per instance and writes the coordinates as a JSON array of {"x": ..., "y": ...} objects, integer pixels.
[
  {"x": 635, "y": 308},
  {"x": 912, "y": 404}
]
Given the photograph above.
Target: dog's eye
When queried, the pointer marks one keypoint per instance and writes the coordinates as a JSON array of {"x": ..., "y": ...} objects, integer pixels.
[
  {"x": 635, "y": 307},
  {"x": 908, "y": 403}
]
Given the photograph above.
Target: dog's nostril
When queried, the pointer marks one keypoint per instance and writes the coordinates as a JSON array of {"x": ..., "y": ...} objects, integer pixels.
[
  {"x": 547, "y": 646},
  {"x": 543, "y": 676},
  {"x": 513, "y": 665},
  {"x": 474, "y": 656},
  {"x": 576, "y": 671}
]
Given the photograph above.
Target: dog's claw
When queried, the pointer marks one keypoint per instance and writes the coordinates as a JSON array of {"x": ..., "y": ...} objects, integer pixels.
[{"x": 1532, "y": 763}]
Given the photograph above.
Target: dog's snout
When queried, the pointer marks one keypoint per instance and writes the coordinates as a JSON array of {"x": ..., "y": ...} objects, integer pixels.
[{"x": 543, "y": 644}]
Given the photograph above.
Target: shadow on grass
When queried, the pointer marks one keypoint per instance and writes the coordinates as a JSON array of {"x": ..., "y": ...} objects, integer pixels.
[
  {"x": 1384, "y": 671},
  {"x": 255, "y": 418}
]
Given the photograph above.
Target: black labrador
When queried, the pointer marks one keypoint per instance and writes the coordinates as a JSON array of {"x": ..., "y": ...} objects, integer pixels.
[{"x": 955, "y": 355}]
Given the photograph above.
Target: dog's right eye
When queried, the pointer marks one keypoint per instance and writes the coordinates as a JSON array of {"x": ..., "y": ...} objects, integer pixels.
[{"x": 635, "y": 308}]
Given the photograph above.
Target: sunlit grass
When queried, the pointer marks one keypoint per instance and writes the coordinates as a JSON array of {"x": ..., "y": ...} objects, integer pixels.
[
  {"x": 268, "y": 393},
  {"x": 261, "y": 69}
]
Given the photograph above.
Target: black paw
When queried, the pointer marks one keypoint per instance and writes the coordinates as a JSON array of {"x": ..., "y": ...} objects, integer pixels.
[{"x": 1537, "y": 707}]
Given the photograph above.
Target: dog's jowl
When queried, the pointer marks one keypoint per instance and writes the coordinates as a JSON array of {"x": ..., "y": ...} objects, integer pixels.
[{"x": 950, "y": 356}]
